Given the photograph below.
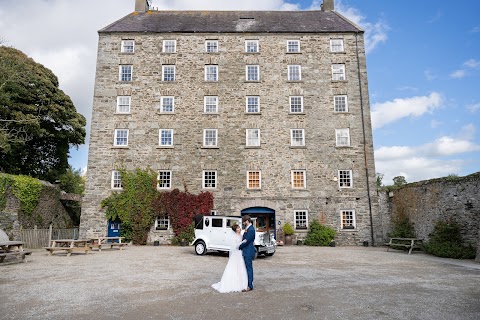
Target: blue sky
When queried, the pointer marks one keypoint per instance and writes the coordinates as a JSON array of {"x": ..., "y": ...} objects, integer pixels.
[{"x": 423, "y": 60}]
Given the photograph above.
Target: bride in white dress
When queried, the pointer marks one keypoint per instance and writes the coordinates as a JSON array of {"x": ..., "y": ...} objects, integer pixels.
[{"x": 234, "y": 277}]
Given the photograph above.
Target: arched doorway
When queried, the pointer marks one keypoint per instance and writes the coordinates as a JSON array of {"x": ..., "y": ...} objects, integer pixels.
[{"x": 265, "y": 218}]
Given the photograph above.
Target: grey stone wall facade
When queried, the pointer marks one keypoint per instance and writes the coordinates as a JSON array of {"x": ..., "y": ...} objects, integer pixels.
[
  {"x": 428, "y": 202},
  {"x": 275, "y": 158}
]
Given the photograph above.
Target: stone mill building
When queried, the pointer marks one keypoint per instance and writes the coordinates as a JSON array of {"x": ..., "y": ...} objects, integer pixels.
[{"x": 268, "y": 110}]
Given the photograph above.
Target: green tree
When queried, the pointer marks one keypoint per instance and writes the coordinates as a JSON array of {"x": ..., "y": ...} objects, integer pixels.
[
  {"x": 399, "y": 181},
  {"x": 378, "y": 179},
  {"x": 38, "y": 121},
  {"x": 72, "y": 181}
]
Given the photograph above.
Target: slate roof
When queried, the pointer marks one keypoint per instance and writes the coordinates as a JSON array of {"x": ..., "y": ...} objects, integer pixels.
[{"x": 232, "y": 22}]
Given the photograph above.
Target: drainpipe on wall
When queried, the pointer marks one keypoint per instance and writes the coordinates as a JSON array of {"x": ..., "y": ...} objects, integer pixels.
[{"x": 364, "y": 142}]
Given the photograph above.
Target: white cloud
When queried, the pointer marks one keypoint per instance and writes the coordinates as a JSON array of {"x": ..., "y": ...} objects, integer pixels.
[
  {"x": 375, "y": 33},
  {"x": 430, "y": 160},
  {"x": 458, "y": 74},
  {"x": 391, "y": 111},
  {"x": 470, "y": 64},
  {"x": 474, "y": 107}
]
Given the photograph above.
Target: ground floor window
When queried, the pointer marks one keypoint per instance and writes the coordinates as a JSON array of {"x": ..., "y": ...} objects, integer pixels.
[
  {"x": 301, "y": 219},
  {"x": 162, "y": 223},
  {"x": 348, "y": 219}
]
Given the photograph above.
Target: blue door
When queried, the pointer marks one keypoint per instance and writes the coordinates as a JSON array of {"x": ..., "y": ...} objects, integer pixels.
[{"x": 113, "y": 228}]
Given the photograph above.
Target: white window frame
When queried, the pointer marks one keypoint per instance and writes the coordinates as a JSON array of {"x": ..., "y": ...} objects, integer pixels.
[
  {"x": 164, "y": 67},
  {"x": 115, "y": 141},
  {"x": 256, "y": 68},
  {"x": 342, "y": 179},
  {"x": 128, "y": 75},
  {"x": 290, "y": 47},
  {"x": 169, "y": 181},
  {"x": 291, "y": 74},
  {"x": 126, "y": 48},
  {"x": 212, "y": 103},
  {"x": 209, "y": 75},
  {"x": 205, "y": 138},
  {"x": 116, "y": 182},
  {"x": 126, "y": 104},
  {"x": 259, "y": 179},
  {"x": 163, "y": 105},
  {"x": 291, "y": 105},
  {"x": 294, "y": 138},
  {"x": 160, "y": 136},
  {"x": 353, "y": 218},
  {"x": 207, "y": 46},
  {"x": 165, "y": 47},
  {"x": 215, "y": 177},
  {"x": 160, "y": 223},
  {"x": 292, "y": 178},
  {"x": 252, "y": 141},
  {"x": 249, "y": 44},
  {"x": 257, "y": 98},
  {"x": 337, "y": 47},
  {"x": 338, "y": 72},
  {"x": 296, "y": 219},
  {"x": 342, "y": 135},
  {"x": 337, "y": 102}
]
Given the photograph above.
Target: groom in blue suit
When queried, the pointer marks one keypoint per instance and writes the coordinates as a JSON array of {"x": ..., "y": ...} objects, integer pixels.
[{"x": 248, "y": 249}]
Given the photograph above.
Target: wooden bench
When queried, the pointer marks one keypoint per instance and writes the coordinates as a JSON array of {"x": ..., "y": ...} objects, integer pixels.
[
  {"x": 17, "y": 254},
  {"x": 68, "y": 250},
  {"x": 404, "y": 243},
  {"x": 103, "y": 245}
]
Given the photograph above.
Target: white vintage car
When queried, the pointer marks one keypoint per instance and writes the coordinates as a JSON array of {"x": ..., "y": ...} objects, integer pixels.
[{"x": 213, "y": 232}]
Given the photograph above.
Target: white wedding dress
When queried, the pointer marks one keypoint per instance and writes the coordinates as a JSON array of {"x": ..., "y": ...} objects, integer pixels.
[{"x": 234, "y": 277}]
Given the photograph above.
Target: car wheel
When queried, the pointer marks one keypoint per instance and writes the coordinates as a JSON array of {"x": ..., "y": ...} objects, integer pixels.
[{"x": 200, "y": 248}]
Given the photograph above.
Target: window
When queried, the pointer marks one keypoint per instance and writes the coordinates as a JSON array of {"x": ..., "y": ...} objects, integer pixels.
[
  {"x": 167, "y": 104},
  {"x": 253, "y": 104},
  {"x": 164, "y": 179},
  {"x": 211, "y": 72},
  {"x": 348, "y": 219},
  {"x": 296, "y": 104},
  {"x": 301, "y": 219},
  {"x": 253, "y": 73},
  {"x": 169, "y": 46},
  {"x": 251, "y": 46},
  {"x": 168, "y": 73},
  {"x": 345, "y": 178},
  {"x": 297, "y": 137},
  {"x": 166, "y": 137},
  {"x": 294, "y": 73},
  {"x": 210, "y": 104},
  {"x": 298, "y": 179},
  {"x": 340, "y": 103},
  {"x": 116, "y": 180},
  {"x": 211, "y": 46},
  {"x": 254, "y": 180},
  {"x": 123, "y": 104},
  {"x": 217, "y": 222},
  {"x": 210, "y": 179},
  {"x": 210, "y": 137},
  {"x": 293, "y": 46},
  {"x": 336, "y": 45},
  {"x": 128, "y": 46},
  {"x": 125, "y": 73},
  {"x": 253, "y": 137},
  {"x": 342, "y": 137},
  {"x": 121, "y": 137},
  {"x": 162, "y": 223},
  {"x": 338, "y": 72}
]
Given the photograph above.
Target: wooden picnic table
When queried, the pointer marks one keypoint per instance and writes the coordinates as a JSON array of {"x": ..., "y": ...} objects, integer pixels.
[
  {"x": 408, "y": 243},
  {"x": 69, "y": 246},
  {"x": 13, "y": 248},
  {"x": 99, "y": 242}
]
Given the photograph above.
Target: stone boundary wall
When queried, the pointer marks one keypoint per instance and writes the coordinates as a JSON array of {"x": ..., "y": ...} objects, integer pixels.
[{"x": 427, "y": 202}]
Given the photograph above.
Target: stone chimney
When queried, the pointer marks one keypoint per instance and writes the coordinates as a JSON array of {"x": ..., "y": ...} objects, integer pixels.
[
  {"x": 328, "y": 5},
  {"x": 141, "y": 5}
]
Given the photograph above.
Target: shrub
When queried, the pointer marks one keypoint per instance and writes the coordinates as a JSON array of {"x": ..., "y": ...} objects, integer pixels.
[
  {"x": 446, "y": 241},
  {"x": 288, "y": 229},
  {"x": 402, "y": 227},
  {"x": 319, "y": 235},
  {"x": 187, "y": 234}
]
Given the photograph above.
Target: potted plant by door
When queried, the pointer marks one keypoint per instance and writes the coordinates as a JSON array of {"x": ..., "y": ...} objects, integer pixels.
[{"x": 289, "y": 232}]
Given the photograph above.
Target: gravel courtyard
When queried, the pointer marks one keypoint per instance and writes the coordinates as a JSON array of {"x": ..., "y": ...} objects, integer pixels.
[{"x": 298, "y": 282}]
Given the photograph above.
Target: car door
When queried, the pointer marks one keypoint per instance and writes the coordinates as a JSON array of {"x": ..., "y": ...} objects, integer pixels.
[{"x": 218, "y": 233}]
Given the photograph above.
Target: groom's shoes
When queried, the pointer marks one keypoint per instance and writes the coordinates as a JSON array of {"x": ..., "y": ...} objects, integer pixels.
[{"x": 248, "y": 289}]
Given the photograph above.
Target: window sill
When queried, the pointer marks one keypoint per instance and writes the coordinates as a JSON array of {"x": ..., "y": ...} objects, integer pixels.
[
  {"x": 338, "y": 52},
  {"x": 122, "y": 114},
  {"x": 168, "y": 81},
  {"x": 116, "y": 189},
  {"x": 215, "y": 52},
  {"x": 120, "y": 147},
  {"x": 125, "y": 82},
  {"x": 299, "y": 52},
  {"x": 163, "y": 189},
  {"x": 341, "y": 112},
  {"x": 343, "y": 147},
  {"x": 299, "y": 189},
  {"x": 297, "y": 113},
  {"x": 295, "y": 81},
  {"x": 258, "y": 52},
  {"x": 253, "y": 147},
  {"x": 126, "y": 53},
  {"x": 253, "y": 113},
  {"x": 348, "y": 230},
  {"x": 165, "y": 113},
  {"x": 210, "y": 147},
  {"x": 254, "y": 190},
  {"x": 339, "y": 81},
  {"x": 211, "y": 113},
  {"x": 165, "y": 147},
  {"x": 298, "y": 147},
  {"x": 252, "y": 81},
  {"x": 303, "y": 230},
  {"x": 168, "y": 53},
  {"x": 204, "y": 188},
  {"x": 210, "y": 81},
  {"x": 162, "y": 229}
]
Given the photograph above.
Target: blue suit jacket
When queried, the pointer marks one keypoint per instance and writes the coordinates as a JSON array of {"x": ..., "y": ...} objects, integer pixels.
[{"x": 248, "y": 249}]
